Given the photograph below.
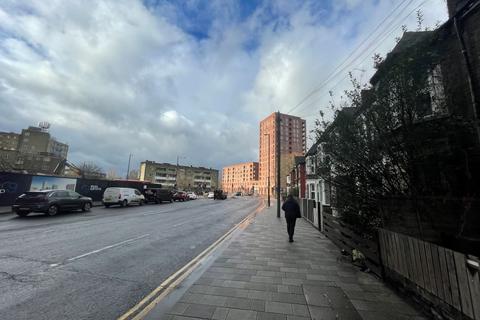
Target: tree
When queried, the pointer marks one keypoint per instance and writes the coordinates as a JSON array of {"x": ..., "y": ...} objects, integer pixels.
[
  {"x": 112, "y": 174},
  {"x": 89, "y": 169},
  {"x": 375, "y": 146}
]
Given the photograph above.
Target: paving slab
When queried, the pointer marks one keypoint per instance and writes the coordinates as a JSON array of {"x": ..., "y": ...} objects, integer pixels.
[{"x": 260, "y": 275}]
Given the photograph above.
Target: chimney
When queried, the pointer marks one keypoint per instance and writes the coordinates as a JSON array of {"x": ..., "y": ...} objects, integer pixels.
[{"x": 454, "y": 6}]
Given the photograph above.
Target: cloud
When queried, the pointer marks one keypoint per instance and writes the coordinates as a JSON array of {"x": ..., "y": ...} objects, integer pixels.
[{"x": 162, "y": 79}]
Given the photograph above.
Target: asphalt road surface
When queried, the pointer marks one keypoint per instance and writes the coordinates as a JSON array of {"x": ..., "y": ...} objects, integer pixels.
[{"x": 97, "y": 265}]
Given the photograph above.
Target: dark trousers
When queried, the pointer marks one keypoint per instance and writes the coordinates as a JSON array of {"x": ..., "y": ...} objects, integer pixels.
[{"x": 291, "y": 227}]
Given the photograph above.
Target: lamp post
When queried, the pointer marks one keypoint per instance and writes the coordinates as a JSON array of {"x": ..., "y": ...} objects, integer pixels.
[
  {"x": 277, "y": 154},
  {"x": 268, "y": 179},
  {"x": 176, "y": 172},
  {"x": 128, "y": 168}
]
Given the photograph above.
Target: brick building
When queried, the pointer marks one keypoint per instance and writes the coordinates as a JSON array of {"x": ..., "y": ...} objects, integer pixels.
[
  {"x": 240, "y": 177},
  {"x": 437, "y": 197},
  {"x": 292, "y": 143},
  {"x": 448, "y": 164}
]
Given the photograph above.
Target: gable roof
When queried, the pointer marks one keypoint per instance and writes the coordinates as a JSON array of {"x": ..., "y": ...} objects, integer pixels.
[{"x": 313, "y": 149}]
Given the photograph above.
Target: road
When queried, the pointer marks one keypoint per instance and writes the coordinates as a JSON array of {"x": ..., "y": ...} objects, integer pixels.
[{"x": 99, "y": 264}]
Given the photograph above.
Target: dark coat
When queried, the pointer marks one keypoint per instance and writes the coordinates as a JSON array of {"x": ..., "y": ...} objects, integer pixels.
[{"x": 291, "y": 208}]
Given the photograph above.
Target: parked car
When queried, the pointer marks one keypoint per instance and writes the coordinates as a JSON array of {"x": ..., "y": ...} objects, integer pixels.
[
  {"x": 180, "y": 196},
  {"x": 158, "y": 195},
  {"x": 219, "y": 195},
  {"x": 50, "y": 202},
  {"x": 211, "y": 195},
  {"x": 238, "y": 194},
  {"x": 192, "y": 196},
  {"x": 122, "y": 196}
]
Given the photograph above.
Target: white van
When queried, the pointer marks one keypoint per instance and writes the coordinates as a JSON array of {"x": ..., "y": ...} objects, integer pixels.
[{"x": 122, "y": 197}]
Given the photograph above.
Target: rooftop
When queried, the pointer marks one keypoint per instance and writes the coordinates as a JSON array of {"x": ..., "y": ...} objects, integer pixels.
[{"x": 174, "y": 165}]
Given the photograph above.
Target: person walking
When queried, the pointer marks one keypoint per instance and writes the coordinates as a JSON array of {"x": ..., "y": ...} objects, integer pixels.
[{"x": 292, "y": 212}]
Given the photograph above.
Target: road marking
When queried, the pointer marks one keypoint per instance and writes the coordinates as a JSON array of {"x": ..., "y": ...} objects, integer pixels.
[
  {"x": 181, "y": 224},
  {"x": 141, "y": 309},
  {"x": 107, "y": 247},
  {"x": 101, "y": 249}
]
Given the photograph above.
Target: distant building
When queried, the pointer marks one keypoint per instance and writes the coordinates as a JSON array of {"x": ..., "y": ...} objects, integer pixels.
[
  {"x": 33, "y": 151},
  {"x": 292, "y": 143},
  {"x": 8, "y": 149},
  {"x": 58, "y": 149},
  {"x": 179, "y": 177},
  {"x": 240, "y": 177},
  {"x": 9, "y": 141}
]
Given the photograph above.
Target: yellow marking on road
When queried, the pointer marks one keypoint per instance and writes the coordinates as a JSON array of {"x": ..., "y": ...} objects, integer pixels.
[{"x": 171, "y": 283}]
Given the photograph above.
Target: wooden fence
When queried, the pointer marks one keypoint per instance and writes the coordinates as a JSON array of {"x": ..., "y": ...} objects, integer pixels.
[
  {"x": 307, "y": 207},
  {"x": 441, "y": 274},
  {"x": 447, "y": 279},
  {"x": 345, "y": 238}
]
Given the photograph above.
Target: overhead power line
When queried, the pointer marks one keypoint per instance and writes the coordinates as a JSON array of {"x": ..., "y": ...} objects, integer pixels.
[
  {"x": 339, "y": 68},
  {"x": 384, "y": 35}
]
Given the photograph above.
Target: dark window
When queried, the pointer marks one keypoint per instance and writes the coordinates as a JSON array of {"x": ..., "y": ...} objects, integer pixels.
[
  {"x": 60, "y": 194},
  {"x": 73, "y": 194}
]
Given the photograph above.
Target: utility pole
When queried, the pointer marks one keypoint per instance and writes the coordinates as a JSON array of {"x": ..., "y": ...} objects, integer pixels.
[
  {"x": 268, "y": 169},
  {"x": 128, "y": 168},
  {"x": 176, "y": 173},
  {"x": 277, "y": 126}
]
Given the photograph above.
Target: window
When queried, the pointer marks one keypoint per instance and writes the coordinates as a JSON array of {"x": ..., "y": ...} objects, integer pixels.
[
  {"x": 327, "y": 193},
  {"x": 436, "y": 90},
  {"x": 60, "y": 194},
  {"x": 137, "y": 193},
  {"x": 73, "y": 194},
  {"x": 312, "y": 191}
]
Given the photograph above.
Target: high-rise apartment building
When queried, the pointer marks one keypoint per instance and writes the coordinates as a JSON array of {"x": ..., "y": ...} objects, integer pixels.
[
  {"x": 241, "y": 177},
  {"x": 292, "y": 143}
]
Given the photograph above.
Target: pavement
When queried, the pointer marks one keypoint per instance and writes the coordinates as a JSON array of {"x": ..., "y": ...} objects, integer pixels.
[
  {"x": 261, "y": 276},
  {"x": 99, "y": 264}
]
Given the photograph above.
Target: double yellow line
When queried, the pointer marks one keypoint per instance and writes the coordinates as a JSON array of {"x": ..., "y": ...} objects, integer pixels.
[{"x": 141, "y": 309}]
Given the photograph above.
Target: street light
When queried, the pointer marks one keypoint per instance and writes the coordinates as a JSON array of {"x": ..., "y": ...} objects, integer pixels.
[
  {"x": 176, "y": 172},
  {"x": 268, "y": 180},
  {"x": 128, "y": 168}
]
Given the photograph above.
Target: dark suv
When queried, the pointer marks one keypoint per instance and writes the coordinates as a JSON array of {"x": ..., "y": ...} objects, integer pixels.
[
  {"x": 158, "y": 195},
  {"x": 50, "y": 202}
]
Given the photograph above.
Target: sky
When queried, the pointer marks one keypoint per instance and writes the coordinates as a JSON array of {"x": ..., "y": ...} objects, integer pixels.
[{"x": 161, "y": 78}]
